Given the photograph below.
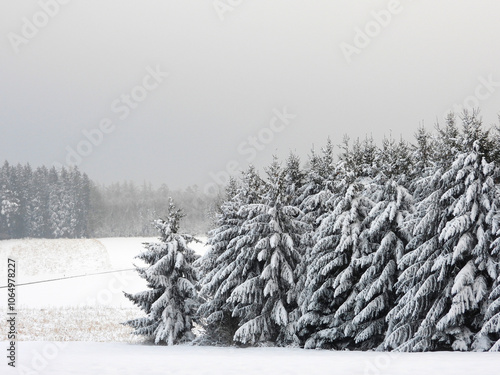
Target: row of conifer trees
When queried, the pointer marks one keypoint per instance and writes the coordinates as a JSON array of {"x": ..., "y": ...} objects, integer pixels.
[
  {"x": 65, "y": 203},
  {"x": 394, "y": 247}
]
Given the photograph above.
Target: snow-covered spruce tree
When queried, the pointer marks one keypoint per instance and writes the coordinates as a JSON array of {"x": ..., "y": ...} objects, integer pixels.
[
  {"x": 61, "y": 204},
  {"x": 361, "y": 158},
  {"x": 39, "y": 203},
  {"x": 332, "y": 276},
  {"x": 394, "y": 161},
  {"x": 81, "y": 187},
  {"x": 214, "y": 312},
  {"x": 223, "y": 267},
  {"x": 387, "y": 239},
  {"x": 446, "y": 143},
  {"x": 448, "y": 267},
  {"x": 496, "y": 143},
  {"x": 422, "y": 155},
  {"x": 317, "y": 186},
  {"x": 488, "y": 337},
  {"x": 312, "y": 202},
  {"x": 171, "y": 302},
  {"x": 264, "y": 300},
  {"x": 9, "y": 202},
  {"x": 423, "y": 151},
  {"x": 226, "y": 228},
  {"x": 293, "y": 180},
  {"x": 25, "y": 179}
]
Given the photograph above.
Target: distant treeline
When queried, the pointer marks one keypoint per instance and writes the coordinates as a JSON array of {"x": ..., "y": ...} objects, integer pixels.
[{"x": 65, "y": 203}]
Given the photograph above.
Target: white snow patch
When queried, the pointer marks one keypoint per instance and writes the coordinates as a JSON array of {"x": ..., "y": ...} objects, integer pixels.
[
  {"x": 124, "y": 359},
  {"x": 76, "y": 270}
]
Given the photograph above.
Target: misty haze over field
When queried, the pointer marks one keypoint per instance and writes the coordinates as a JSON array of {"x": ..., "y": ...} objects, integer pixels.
[{"x": 187, "y": 92}]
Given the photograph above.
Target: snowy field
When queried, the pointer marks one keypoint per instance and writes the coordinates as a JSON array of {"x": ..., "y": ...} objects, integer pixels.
[
  {"x": 125, "y": 359},
  {"x": 71, "y": 326},
  {"x": 79, "y": 270},
  {"x": 72, "y": 291}
]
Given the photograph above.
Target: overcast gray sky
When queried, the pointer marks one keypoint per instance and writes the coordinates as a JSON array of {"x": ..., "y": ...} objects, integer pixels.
[{"x": 171, "y": 91}]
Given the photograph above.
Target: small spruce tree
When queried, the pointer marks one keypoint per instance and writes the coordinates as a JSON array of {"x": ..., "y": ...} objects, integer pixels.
[{"x": 171, "y": 302}]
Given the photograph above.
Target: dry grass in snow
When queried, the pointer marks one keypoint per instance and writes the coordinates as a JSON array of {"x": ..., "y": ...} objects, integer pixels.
[
  {"x": 37, "y": 257},
  {"x": 99, "y": 324}
]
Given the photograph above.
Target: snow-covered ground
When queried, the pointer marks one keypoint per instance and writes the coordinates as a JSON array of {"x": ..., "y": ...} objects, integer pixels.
[
  {"x": 126, "y": 359},
  {"x": 76, "y": 270},
  {"x": 90, "y": 308},
  {"x": 71, "y": 291}
]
